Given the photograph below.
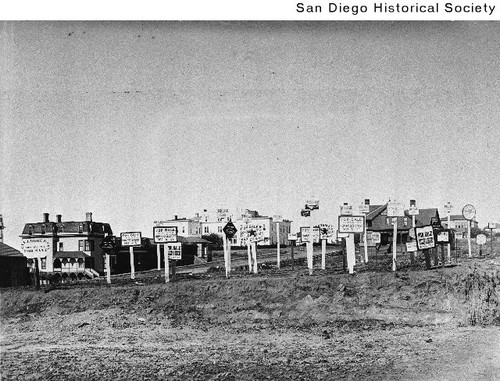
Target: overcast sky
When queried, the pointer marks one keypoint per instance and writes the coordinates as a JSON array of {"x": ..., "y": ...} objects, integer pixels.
[{"x": 139, "y": 121}]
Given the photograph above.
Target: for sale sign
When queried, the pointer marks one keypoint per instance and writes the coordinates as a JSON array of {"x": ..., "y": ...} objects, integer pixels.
[
  {"x": 164, "y": 234},
  {"x": 131, "y": 239},
  {"x": 36, "y": 247},
  {"x": 425, "y": 237},
  {"x": 351, "y": 224}
]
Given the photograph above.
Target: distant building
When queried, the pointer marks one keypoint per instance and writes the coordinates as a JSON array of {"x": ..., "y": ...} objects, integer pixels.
[
  {"x": 459, "y": 224},
  {"x": 65, "y": 247}
]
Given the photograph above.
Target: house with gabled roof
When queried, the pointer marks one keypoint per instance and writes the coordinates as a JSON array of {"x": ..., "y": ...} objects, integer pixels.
[{"x": 378, "y": 221}]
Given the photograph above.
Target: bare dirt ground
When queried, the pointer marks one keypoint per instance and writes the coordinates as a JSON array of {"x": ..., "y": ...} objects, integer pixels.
[{"x": 442, "y": 324}]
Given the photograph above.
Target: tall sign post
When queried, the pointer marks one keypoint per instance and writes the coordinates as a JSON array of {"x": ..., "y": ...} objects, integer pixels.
[
  {"x": 164, "y": 235},
  {"x": 292, "y": 237},
  {"x": 469, "y": 212},
  {"x": 413, "y": 212},
  {"x": 491, "y": 226},
  {"x": 278, "y": 219},
  {"x": 108, "y": 246},
  {"x": 395, "y": 210},
  {"x": 311, "y": 205},
  {"x": 350, "y": 225},
  {"x": 229, "y": 232},
  {"x": 365, "y": 209},
  {"x": 131, "y": 240},
  {"x": 325, "y": 231},
  {"x": 448, "y": 207},
  {"x": 481, "y": 240}
]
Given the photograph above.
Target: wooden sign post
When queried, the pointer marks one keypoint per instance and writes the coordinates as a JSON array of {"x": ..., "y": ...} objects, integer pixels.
[
  {"x": 158, "y": 257},
  {"x": 413, "y": 212},
  {"x": 131, "y": 239},
  {"x": 164, "y": 235},
  {"x": 108, "y": 246},
  {"x": 469, "y": 212},
  {"x": 229, "y": 232},
  {"x": 351, "y": 225},
  {"x": 448, "y": 208},
  {"x": 394, "y": 210},
  {"x": 292, "y": 237},
  {"x": 365, "y": 209},
  {"x": 311, "y": 205},
  {"x": 278, "y": 219}
]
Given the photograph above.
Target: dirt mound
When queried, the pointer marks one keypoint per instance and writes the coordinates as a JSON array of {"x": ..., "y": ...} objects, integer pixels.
[{"x": 463, "y": 295}]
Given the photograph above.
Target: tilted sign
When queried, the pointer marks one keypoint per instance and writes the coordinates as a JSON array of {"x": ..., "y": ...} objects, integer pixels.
[
  {"x": 131, "y": 238},
  {"x": 164, "y": 234},
  {"x": 305, "y": 213},
  {"x": 351, "y": 224},
  {"x": 312, "y": 204},
  {"x": 174, "y": 251},
  {"x": 425, "y": 237},
  {"x": 36, "y": 247}
]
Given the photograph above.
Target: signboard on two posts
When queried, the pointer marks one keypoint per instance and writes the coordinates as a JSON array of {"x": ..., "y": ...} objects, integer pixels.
[{"x": 165, "y": 234}]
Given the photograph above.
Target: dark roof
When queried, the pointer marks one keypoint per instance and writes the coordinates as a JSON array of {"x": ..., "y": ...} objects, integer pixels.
[
  {"x": 70, "y": 254},
  {"x": 89, "y": 227},
  {"x": 375, "y": 210},
  {"x": 8, "y": 251},
  {"x": 424, "y": 216}
]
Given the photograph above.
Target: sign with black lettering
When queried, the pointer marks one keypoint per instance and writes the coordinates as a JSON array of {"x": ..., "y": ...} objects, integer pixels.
[
  {"x": 230, "y": 230},
  {"x": 425, "y": 237},
  {"x": 351, "y": 224}
]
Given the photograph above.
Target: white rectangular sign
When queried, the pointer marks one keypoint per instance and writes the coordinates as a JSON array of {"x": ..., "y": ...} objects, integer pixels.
[
  {"x": 376, "y": 237},
  {"x": 36, "y": 247},
  {"x": 131, "y": 239},
  {"x": 292, "y": 237},
  {"x": 351, "y": 224},
  {"x": 413, "y": 211},
  {"x": 304, "y": 234},
  {"x": 164, "y": 234},
  {"x": 277, "y": 218},
  {"x": 411, "y": 246},
  {"x": 346, "y": 210},
  {"x": 395, "y": 209},
  {"x": 425, "y": 237},
  {"x": 174, "y": 251},
  {"x": 364, "y": 208}
]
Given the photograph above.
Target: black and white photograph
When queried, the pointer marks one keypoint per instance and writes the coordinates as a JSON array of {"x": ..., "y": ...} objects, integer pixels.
[{"x": 251, "y": 199}]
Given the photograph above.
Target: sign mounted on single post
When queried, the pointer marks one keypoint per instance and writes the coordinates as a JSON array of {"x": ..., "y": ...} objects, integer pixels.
[
  {"x": 395, "y": 209},
  {"x": 292, "y": 236},
  {"x": 481, "y": 239},
  {"x": 230, "y": 230},
  {"x": 108, "y": 245},
  {"x": 131, "y": 239},
  {"x": 469, "y": 212},
  {"x": 425, "y": 237},
  {"x": 351, "y": 224},
  {"x": 277, "y": 218},
  {"x": 174, "y": 251},
  {"x": 312, "y": 204},
  {"x": 443, "y": 236},
  {"x": 376, "y": 237},
  {"x": 165, "y": 234}
]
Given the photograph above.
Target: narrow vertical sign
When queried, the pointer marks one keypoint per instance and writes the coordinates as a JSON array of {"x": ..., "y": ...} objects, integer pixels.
[{"x": 131, "y": 240}]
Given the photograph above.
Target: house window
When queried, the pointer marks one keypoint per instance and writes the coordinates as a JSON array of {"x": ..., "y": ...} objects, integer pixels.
[
  {"x": 80, "y": 228},
  {"x": 219, "y": 229},
  {"x": 405, "y": 221},
  {"x": 89, "y": 245},
  {"x": 43, "y": 263},
  {"x": 43, "y": 229},
  {"x": 30, "y": 230},
  {"x": 206, "y": 229},
  {"x": 61, "y": 246},
  {"x": 81, "y": 243},
  {"x": 183, "y": 229}
]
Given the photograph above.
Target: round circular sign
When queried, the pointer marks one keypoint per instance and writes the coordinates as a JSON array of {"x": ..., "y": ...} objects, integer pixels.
[
  {"x": 469, "y": 212},
  {"x": 481, "y": 239}
]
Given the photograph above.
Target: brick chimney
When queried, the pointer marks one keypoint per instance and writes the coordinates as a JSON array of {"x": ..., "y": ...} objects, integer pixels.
[
  {"x": 45, "y": 217},
  {"x": 88, "y": 216},
  {"x": 58, "y": 218}
]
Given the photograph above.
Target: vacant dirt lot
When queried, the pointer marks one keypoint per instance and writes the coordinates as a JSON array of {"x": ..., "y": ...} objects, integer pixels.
[{"x": 442, "y": 324}]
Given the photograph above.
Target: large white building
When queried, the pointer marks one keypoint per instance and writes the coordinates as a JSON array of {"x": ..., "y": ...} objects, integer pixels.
[{"x": 213, "y": 222}]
